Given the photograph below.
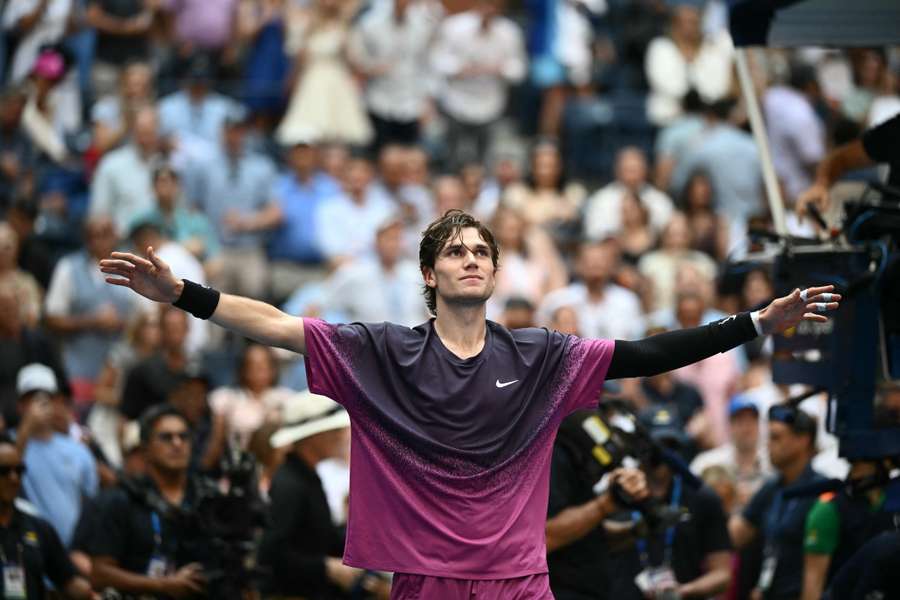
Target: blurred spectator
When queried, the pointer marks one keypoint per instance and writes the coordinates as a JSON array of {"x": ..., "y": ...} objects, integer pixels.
[
  {"x": 19, "y": 346},
  {"x": 682, "y": 60},
  {"x": 113, "y": 115},
  {"x": 61, "y": 471},
  {"x": 141, "y": 551},
  {"x": 142, "y": 339},
  {"x": 260, "y": 26},
  {"x": 196, "y": 112},
  {"x": 675, "y": 139},
  {"x": 682, "y": 404},
  {"x": 150, "y": 233},
  {"x": 603, "y": 210},
  {"x": 123, "y": 36},
  {"x": 208, "y": 431},
  {"x": 334, "y": 157},
  {"x": 560, "y": 40},
  {"x": 123, "y": 186},
  {"x": 530, "y": 265},
  {"x": 738, "y": 192},
  {"x": 190, "y": 229},
  {"x": 17, "y": 152},
  {"x": 397, "y": 297},
  {"x": 546, "y": 198},
  {"x": 869, "y": 71},
  {"x": 482, "y": 191},
  {"x": 34, "y": 254},
  {"x": 777, "y": 521},
  {"x": 743, "y": 455},
  {"x": 389, "y": 47},
  {"x": 708, "y": 226},
  {"x": 34, "y": 24},
  {"x": 256, "y": 400},
  {"x": 479, "y": 53},
  {"x": 348, "y": 222},
  {"x": 233, "y": 188},
  {"x": 83, "y": 311},
  {"x": 518, "y": 313},
  {"x": 635, "y": 235},
  {"x": 298, "y": 193},
  {"x": 324, "y": 97},
  {"x": 411, "y": 199},
  {"x": 565, "y": 320},
  {"x": 449, "y": 194},
  {"x": 18, "y": 282},
  {"x": 715, "y": 377},
  {"x": 52, "y": 111},
  {"x": 796, "y": 133},
  {"x": 204, "y": 25},
  {"x": 662, "y": 265},
  {"x": 721, "y": 481},
  {"x": 49, "y": 560},
  {"x": 301, "y": 546},
  {"x": 152, "y": 379},
  {"x": 605, "y": 310}
]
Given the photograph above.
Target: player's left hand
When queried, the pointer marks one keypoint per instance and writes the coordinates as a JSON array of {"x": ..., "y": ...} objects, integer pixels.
[{"x": 800, "y": 305}]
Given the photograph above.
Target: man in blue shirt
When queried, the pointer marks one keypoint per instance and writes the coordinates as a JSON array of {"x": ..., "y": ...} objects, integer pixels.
[{"x": 60, "y": 471}]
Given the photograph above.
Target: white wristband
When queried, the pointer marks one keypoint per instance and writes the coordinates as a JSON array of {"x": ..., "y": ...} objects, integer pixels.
[{"x": 754, "y": 316}]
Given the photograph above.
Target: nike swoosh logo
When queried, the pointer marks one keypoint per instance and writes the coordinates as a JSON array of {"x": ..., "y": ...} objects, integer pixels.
[{"x": 505, "y": 383}]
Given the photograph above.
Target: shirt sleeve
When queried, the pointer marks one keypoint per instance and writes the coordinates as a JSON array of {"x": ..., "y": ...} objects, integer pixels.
[
  {"x": 880, "y": 142},
  {"x": 823, "y": 528},
  {"x": 587, "y": 364},
  {"x": 59, "y": 568},
  {"x": 113, "y": 542},
  {"x": 756, "y": 509},
  {"x": 329, "y": 349}
]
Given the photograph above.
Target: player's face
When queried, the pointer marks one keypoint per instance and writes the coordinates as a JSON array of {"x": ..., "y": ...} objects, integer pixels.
[{"x": 463, "y": 271}]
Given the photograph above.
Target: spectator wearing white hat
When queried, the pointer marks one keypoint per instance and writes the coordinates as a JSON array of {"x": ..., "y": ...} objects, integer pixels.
[
  {"x": 301, "y": 546},
  {"x": 60, "y": 470}
]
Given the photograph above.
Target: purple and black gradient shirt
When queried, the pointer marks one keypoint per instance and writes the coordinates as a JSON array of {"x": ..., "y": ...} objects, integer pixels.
[{"x": 450, "y": 457}]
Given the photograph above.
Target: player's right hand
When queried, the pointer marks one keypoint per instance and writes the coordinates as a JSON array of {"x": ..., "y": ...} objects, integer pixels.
[{"x": 150, "y": 277}]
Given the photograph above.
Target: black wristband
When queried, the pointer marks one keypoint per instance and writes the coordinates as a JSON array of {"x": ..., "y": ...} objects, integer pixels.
[{"x": 199, "y": 300}]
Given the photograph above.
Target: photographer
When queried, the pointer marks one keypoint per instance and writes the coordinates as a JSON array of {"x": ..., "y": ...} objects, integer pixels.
[
  {"x": 302, "y": 546},
  {"x": 578, "y": 557},
  {"x": 141, "y": 552},
  {"x": 685, "y": 555},
  {"x": 840, "y": 523}
]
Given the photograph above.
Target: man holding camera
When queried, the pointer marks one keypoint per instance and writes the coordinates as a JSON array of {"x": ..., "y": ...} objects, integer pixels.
[
  {"x": 141, "y": 551},
  {"x": 677, "y": 547}
]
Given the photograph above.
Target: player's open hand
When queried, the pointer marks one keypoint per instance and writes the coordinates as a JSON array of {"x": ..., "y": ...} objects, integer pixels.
[
  {"x": 150, "y": 277},
  {"x": 800, "y": 305}
]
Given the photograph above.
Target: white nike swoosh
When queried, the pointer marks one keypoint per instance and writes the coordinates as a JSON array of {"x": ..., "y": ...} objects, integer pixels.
[{"x": 505, "y": 383}]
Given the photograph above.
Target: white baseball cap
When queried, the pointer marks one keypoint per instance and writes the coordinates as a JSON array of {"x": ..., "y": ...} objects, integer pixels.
[{"x": 36, "y": 378}]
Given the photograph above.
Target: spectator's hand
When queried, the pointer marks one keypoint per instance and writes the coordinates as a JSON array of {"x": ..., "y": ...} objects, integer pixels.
[
  {"x": 805, "y": 305},
  {"x": 632, "y": 481},
  {"x": 816, "y": 195},
  {"x": 345, "y": 577},
  {"x": 9, "y": 165},
  {"x": 756, "y": 594},
  {"x": 233, "y": 222},
  {"x": 186, "y": 582},
  {"x": 107, "y": 319},
  {"x": 151, "y": 278}
]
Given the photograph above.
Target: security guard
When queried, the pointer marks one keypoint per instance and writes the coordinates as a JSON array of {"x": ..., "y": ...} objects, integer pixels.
[{"x": 30, "y": 550}]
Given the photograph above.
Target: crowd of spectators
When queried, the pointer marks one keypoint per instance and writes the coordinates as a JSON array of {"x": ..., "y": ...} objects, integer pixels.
[{"x": 294, "y": 150}]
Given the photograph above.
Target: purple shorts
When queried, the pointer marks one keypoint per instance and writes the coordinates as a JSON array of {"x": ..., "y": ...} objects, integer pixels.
[{"x": 424, "y": 587}]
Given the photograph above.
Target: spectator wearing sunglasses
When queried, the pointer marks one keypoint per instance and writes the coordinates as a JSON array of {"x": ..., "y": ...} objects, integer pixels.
[
  {"x": 30, "y": 550},
  {"x": 140, "y": 551},
  {"x": 771, "y": 518}
]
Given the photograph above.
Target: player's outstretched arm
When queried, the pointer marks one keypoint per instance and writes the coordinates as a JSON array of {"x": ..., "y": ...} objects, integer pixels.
[
  {"x": 676, "y": 349},
  {"x": 152, "y": 278}
]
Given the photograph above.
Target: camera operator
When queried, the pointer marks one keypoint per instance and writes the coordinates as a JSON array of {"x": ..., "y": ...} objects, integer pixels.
[
  {"x": 301, "y": 544},
  {"x": 578, "y": 556},
  {"x": 30, "y": 549},
  {"x": 881, "y": 144},
  {"x": 688, "y": 556},
  {"x": 873, "y": 573},
  {"x": 779, "y": 521},
  {"x": 840, "y": 523},
  {"x": 140, "y": 550}
]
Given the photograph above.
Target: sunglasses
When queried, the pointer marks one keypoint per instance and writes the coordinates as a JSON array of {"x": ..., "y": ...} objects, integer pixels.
[
  {"x": 170, "y": 436},
  {"x": 7, "y": 470}
]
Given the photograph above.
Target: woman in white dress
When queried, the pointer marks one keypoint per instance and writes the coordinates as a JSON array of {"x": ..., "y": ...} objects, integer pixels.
[{"x": 325, "y": 99}]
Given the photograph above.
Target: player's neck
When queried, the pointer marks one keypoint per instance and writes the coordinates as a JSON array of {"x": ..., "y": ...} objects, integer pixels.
[{"x": 461, "y": 329}]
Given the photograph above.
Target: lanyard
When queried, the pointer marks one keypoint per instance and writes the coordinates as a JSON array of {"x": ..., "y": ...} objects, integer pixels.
[
  {"x": 157, "y": 530},
  {"x": 641, "y": 542}
]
